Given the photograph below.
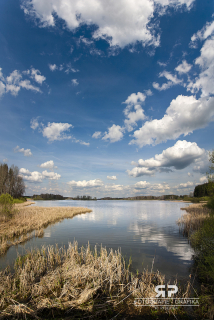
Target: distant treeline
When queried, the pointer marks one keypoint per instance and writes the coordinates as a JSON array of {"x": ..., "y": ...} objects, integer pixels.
[
  {"x": 82, "y": 198},
  {"x": 48, "y": 196},
  {"x": 11, "y": 182},
  {"x": 199, "y": 192},
  {"x": 164, "y": 197}
]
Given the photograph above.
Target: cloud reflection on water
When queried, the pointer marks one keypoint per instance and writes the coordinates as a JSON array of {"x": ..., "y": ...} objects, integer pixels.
[{"x": 163, "y": 238}]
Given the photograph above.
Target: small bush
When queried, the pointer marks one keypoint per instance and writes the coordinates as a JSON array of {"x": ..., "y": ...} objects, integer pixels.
[
  {"x": 19, "y": 200},
  {"x": 193, "y": 200},
  {"x": 38, "y": 198},
  {"x": 204, "y": 199},
  {"x": 6, "y": 205}
]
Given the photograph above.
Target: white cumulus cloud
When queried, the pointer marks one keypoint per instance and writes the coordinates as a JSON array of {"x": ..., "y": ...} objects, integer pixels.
[
  {"x": 184, "y": 115},
  {"x": 203, "y": 179},
  {"x": 135, "y": 98},
  {"x": 111, "y": 177},
  {"x": 160, "y": 187},
  {"x": 164, "y": 86},
  {"x": 185, "y": 185},
  {"x": 26, "y": 152},
  {"x": 74, "y": 82},
  {"x": 184, "y": 67},
  {"x": 133, "y": 110},
  {"x": 14, "y": 82},
  {"x": 115, "y": 187},
  {"x": 205, "y": 61},
  {"x": 115, "y": 133},
  {"x": 48, "y": 165},
  {"x": 36, "y": 176},
  {"x": 68, "y": 68},
  {"x": 202, "y": 164},
  {"x": 2, "y": 88},
  {"x": 142, "y": 185},
  {"x": 55, "y": 131},
  {"x": 84, "y": 183},
  {"x": 27, "y": 85},
  {"x": 51, "y": 175},
  {"x": 1, "y": 75},
  {"x": 138, "y": 172},
  {"x": 24, "y": 171},
  {"x": 181, "y": 155},
  {"x": 133, "y": 117},
  {"x": 172, "y": 81},
  {"x": 53, "y": 67},
  {"x": 97, "y": 135},
  {"x": 120, "y": 22},
  {"x": 202, "y": 34},
  {"x": 34, "y": 124},
  {"x": 36, "y": 75}
]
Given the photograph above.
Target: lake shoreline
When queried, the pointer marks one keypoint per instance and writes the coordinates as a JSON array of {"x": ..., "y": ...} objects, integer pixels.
[
  {"x": 198, "y": 225},
  {"x": 29, "y": 221},
  {"x": 99, "y": 285}
]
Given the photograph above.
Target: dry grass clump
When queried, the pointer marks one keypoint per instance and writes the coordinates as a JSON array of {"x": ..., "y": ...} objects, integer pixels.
[
  {"x": 53, "y": 279},
  {"x": 194, "y": 219},
  {"x": 27, "y": 219}
]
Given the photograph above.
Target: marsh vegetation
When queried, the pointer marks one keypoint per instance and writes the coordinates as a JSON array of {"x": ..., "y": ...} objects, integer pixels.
[
  {"x": 52, "y": 281},
  {"x": 24, "y": 220},
  {"x": 193, "y": 219},
  {"x": 198, "y": 225}
]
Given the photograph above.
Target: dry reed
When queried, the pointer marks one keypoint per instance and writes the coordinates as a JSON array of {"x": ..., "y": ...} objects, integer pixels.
[
  {"x": 193, "y": 219},
  {"x": 26, "y": 219},
  {"x": 54, "y": 278}
]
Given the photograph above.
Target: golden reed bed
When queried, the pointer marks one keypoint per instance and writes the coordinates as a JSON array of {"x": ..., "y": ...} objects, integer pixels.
[
  {"x": 193, "y": 219},
  {"x": 55, "y": 281},
  {"x": 27, "y": 219}
]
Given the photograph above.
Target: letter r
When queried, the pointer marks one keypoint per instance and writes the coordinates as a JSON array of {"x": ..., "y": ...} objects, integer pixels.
[{"x": 159, "y": 292}]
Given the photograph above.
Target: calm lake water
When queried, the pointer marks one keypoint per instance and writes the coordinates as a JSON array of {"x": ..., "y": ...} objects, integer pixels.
[{"x": 144, "y": 230}]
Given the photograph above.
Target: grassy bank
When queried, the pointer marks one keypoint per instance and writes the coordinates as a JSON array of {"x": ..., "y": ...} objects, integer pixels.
[
  {"x": 198, "y": 225},
  {"x": 27, "y": 222},
  {"x": 194, "y": 218},
  {"x": 58, "y": 283}
]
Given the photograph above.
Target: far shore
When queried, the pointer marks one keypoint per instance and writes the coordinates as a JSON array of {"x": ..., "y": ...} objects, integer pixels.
[{"x": 113, "y": 199}]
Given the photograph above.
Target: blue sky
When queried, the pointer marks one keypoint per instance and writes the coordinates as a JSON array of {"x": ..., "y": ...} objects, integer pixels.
[{"x": 107, "y": 98}]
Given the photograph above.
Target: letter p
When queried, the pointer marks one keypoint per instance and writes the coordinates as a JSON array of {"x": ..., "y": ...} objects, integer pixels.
[{"x": 171, "y": 286}]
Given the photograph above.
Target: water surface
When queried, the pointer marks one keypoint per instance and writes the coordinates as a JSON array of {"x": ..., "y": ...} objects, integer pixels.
[{"x": 144, "y": 230}]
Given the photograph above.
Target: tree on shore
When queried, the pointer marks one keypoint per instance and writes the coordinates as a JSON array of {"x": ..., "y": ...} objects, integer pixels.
[
  {"x": 202, "y": 190},
  {"x": 11, "y": 182},
  {"x": 210, "y": 174}
]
